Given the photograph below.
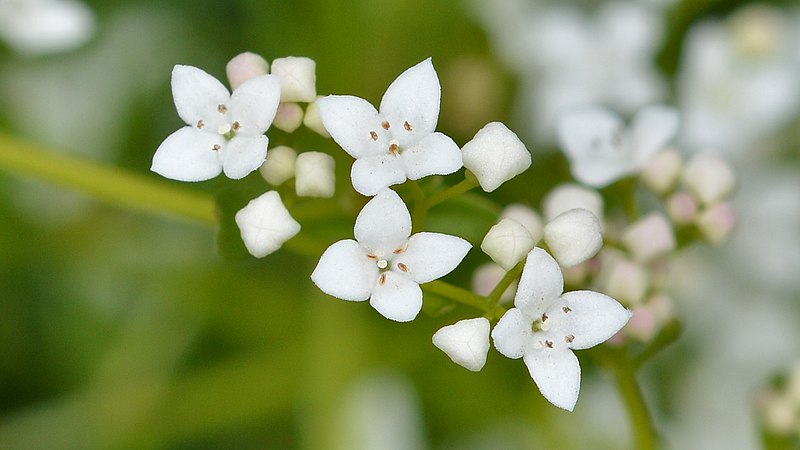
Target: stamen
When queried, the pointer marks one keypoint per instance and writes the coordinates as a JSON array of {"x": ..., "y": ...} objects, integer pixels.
[
  {"x": 385, "y": 125},
  {"x": 394, "y": 149},
  {"x": 397, "y": 251},
  {"x": 566, "y": 309},
  {"x": 544, "y": 317},
  {"x": 407, "y": 126},
  {"x": 382, "y": 279},
  {"x": 569, "y": 338},
  {"x": 382, "y": 263},
  {"x": 402, "y": 266},
  {"x": 373, "y": 135},
  {"x": 222, "y": 109},
  {"x": 216, "y": 147},
  {"x": 548, "y": 344},
  {"x": 235, "y": 126},
  {"x": 371, "y": 256},
  {"x": 200, "y": 123}
]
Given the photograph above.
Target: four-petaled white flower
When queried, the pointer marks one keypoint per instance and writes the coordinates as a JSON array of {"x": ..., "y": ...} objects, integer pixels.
[
  {"x": 398, "y": 142},
  {"x": 224, "y": 132},
  {"x": 547, "y": 324},
  {"x": 385, "y": 264},
  {"x": 600, "y": 148}
]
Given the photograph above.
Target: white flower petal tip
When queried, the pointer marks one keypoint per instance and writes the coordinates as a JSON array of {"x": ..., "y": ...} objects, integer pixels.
[
  {"x": 709, "y": 178},
  {"x": 245, "y": 66},
  {"x": 495, "y": 155},
  {"x": 507, "y": 242},
  {"x": 649, "y": 238},
  {"x": 557, "y": 374},
  {"x": 298, "y": 78},
  {"x": 314, "y": 175},
  {"x": 466, "y": 342},
  {"x": 662, "y": 173},
  {"x": 528, "y": 217},
  {"x": 279, "y": 165},
  {"x": 289, "y": 117},
  {"x": 573, "y": 237},
  {"x": 265, "y": 224},
  {"x": 717, "y": 222},
  {"x": 570, "y": 196}
]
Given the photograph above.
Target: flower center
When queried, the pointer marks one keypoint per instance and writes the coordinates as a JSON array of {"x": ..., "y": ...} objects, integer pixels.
[{"x": 541, "y": 324}]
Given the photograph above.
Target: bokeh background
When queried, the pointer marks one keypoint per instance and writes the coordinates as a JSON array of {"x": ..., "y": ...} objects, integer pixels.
[{"x": 121, "y": 329}]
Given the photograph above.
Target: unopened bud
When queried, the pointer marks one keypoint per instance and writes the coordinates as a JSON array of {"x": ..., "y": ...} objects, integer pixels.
[
  {"x": 289, "y": 117},
  {"x": 507, "y": 243},
  {"x": 649, "y": 238},
  {"x": 570, "y": 196},
  {"x": 717, "y": 222},
  {"x": 682, "y": 208},
  {"x": 495, "y": 155},
  {"x": 279, "y": 165},
  {"x": 624, "y": 280},
  {"x": 265, "y": 209},
  {"x": 466, "y": 342},
  {"x": 486, "y": 278},
  {"x": 527, "y": 216},
  {"x": 663, "y": 171},
  {"x": 298, "y": 78},
  {"x": 245, "y": 66},
  {"x": 315, "y": 175},
  {"x": 573, "y": 237},
  {"x": 709, "y": 178},
  {"x": 313, "y": 121}
]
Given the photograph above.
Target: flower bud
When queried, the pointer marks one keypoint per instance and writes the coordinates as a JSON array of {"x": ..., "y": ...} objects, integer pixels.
[
  {"x": 507, "y": 243},
  {"x": 313, "y": 121},
  {"x": 663, "y": 171},
  {"x": 527, "y": 216},
  {"x": 279, "y": 165},
  {"x": 709, "y": 178},
  {"x": 265, "y": 224},
  {"x": 649, "y": 238},
  {"x": 682, "y": 208},
  {"x": 643, "y": 325},
  {"x": 717, "y": 222},
  {"x": 623, "y": 280},
  {"x": 315, "y": 175},
  {"x": 245, "y": 66},
  {"x": 570, "y": 196},
  {"x": 466, "y": 342},
  {"x": 289, "y": 117},
  {"x": 495, "y": 155},
  {"x": 486, "y": 278},
  {"x": 298, "y": 78},
  {"x": 573, "y": 237}
]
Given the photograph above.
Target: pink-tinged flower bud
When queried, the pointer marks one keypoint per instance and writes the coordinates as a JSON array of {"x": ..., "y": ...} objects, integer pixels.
[
  {"x": 486, "y": 277},
  {"x": 527, "y": 216},
  {"x": 315, "y": 175},
  {"x": 643, "y": 324},
  {"x": 573, "y": 237},
  {"x": 682, "y": 208},
  {"x": 709, "y": 178},
  {"x": 245, "y": 66},
  {"x": 507, "y": 242},
  {"x": 717, "y": 222},
  {"x": 649, "y": 238},
  {"x": 289, "y": 117},
  {"x": 663, "y": 171},
  {"x": 298, "y": 78},
  {"x": 624, "y": 280},
  {"x": 313, "y": 121},
  {"x": 570, "y": 196},
  {"x": 279, "y": 165}
]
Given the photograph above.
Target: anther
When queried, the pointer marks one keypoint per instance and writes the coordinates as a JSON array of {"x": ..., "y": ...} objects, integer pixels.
[
  {"x": 402, "y": 266},
  {"x": 397, "y": 251},
  {"x": 566, "y": 309},
  {"x": 382, "y": 279},
  {"x": 548, "y": 344},
  {"x": 394, "y": 149},
  {"x": 235, "y": 126},
  {"x": 216, "y": 147},
  {"x": 222, "y": 109},
  {"x": 569, "y": 338},
  {"x": 385, "y": 125},
  {"x": 544, "y": 317},
  {"x": 200, "y": 123},
  {"x": 373, "y": 135},
  {"x": 407, "y": 126},
  {"x": 371, "y": 256}
]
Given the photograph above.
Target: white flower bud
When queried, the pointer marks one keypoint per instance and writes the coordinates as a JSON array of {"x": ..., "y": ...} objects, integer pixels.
[
  {"x": 576, "y": 275},
  {"x": 570, "y": 196},
  {"x": 265, "y": 224},
  {"x": 663, "y": 171},
  {"x": 682, "y": 208},
  {"x": 466, "y": 342},
  {"x": 526, "y": 216},
  {"x": 507, "y": 243},
  {"x": 779, "y": 411},
  {"x": 314, "y": 175},
  {"x": 486, "y": 277},
  {"x": 650, "y": 237},
  {"x": 313, "y": 121},
  {"x": 495, "y": 155},
  {"x": 279, "y": 165},
  {"x": 717, "y": 222},
  {"x": 709, "y": 178},
  {"x": 289, "y": 117},
  {"x": 624, "y": 280},
  {"x": 573, "y": 237},
  {"x": 643, "y": 324},
  {"x": 245, "y": 66},
  {"x": 298, "y": 78}
]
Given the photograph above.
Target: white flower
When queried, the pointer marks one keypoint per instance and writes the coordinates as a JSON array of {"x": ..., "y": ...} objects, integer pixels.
[
  {"x": 224, "y": 132},
  {"x": 466, "y": 342},
  {"x": 495, "y": 155},
  {"x": 265, "y": 224},
  {"x": 398, "y": 142},
  {"x": 547, "y": 324},
  {"x": 38, "y": 27},
  {"x": 384, "y": 264},
  {"x": 507, "y": 242},
  {"x": 574, "y": 236},
  {"x": 314, "y": 175},
  {"x": 601, "y": 149}
]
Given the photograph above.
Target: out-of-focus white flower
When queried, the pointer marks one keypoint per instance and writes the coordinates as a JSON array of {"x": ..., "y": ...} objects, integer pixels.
[
  {"x": 601, "y": 149},
  {"x": 224, "y": 132},
  {"x": 314, "y": 175},
  {"x": 546, "y": 325},
  {"x": 245, "y": 66},
  {"x": 709, "y": 178},
  {"x": 682, "y": 208},
  {"x": 313, "y": 121},
  {"x": 573, "y": 237},
  {"x": 495, "y": 155},
  {"x": 507, "y": 242},
  {"x": 717, "y": 222},
  {"x": 265, "y": 224},
  {"x": 397, "y": 143},
  {"x": 289, "y": 117},
  {"x": 386, "y": 265},
  {"x": 279, "y": 165},
  {"x": 486, "y": 278},
  {"x": 526, "y": 216},
  {"x": 37, "y": 27},
  {"x": 298, "y": 78},
  {"x": 570, "y": 196},
  {"x": 663, "y": 171},
  {"x": 466, "y": 342},
  {"x": 649, "y": 237}
]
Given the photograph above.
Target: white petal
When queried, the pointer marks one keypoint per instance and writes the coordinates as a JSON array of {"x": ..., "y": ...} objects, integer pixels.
[
  {"x": 466, "y": 342},
  {"x": 370, "y": 174},
  {"x": 436, "y": 154},
  {"x": 651, "y": 129},
  {"x": 541, "y": 283},
  {"x": 345, "y": 272},
  {"x": 255, "y": 103},
  {"x": 188, "y": 155},
  {"x": 413, "y": 99},
  {"x": 351, "y": 122},
  {"x": 265, "y": 224},
  {"x": 398, "y": 298},
  {"x": 495, "y": 155},
  {"x": 511, "y": 334},
  {"x": 384, "y": 224},
  {"x": 432, "y": 255},
  {"x": 574, "y": 236},
  {"x": 244, "y": 154},
  {"x": 592, "y": 318},
  {"x": 197, "y": 96},
  {"x": 557, "y": 374}
]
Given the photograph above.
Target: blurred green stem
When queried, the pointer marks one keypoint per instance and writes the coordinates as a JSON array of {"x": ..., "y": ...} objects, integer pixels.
[
  {"x": 465, "y": 185},
  {"x": 459, "y": 295}
]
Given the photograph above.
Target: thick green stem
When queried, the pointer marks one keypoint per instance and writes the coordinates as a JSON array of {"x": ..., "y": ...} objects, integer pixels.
[
  {"x": 644, "y": 433},
  {"x": 465, "y": 185},
  {"x": 458, "y": 294},
  {"x": 115, "y": 186}
]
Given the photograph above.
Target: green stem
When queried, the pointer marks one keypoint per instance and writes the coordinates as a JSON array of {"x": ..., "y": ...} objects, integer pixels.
[
  {"x": 458, "y": 294},
  {"x": 465, "y": 185},
  {"x": 115, "y": 186},
  {"x": 420, "y": 205},
  {"x": 644, "y": 433}
]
